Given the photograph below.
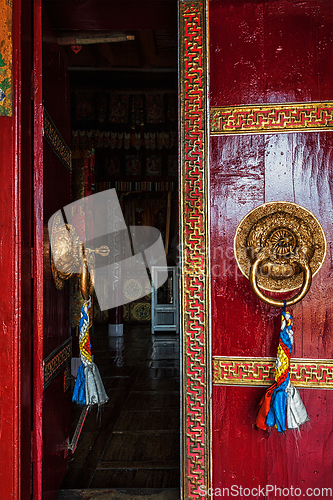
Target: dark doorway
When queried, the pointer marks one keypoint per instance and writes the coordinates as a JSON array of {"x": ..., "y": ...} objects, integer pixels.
[{"x": 122, "y": 63}]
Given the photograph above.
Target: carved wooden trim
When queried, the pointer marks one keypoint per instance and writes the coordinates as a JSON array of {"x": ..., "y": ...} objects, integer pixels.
[
  {"x": 194, "y": 189},
  {"x": 56, "y": 361},
  {"x": 247, "y": 371},
  {"x": 271, "y": 118},
  {"x": 55, "y": 140}
]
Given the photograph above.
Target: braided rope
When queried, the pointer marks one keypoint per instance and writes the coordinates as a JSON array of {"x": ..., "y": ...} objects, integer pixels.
[
  {"x": 281, "y": 405},
  {"x": 84, "y": 336},
  {"x": 89, "y": 388}
]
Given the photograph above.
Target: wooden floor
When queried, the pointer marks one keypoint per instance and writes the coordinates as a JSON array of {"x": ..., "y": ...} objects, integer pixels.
[{"x": 134, "y": 441}]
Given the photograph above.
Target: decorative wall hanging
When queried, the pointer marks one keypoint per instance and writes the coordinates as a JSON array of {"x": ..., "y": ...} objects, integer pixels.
[
  {"x": 133, "y": 165},
  {"x": 84, "y": 106},
  {"x": 154, "y": 165},
  {"x": 101, "y": 139},
  {"x": 6, "y": 83},
  {"x": 119, "y": 108},
  {"x": 279, "y": 246},
  {"x": 155, "y": 108},
  {"x": 130, "y": 186}
]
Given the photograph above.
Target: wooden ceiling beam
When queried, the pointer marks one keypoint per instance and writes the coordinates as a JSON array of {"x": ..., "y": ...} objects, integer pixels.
[
  {"x": 105, "y": 51},
  {"x": 112, "y": 14},
  {"x": 147, "y": 47}
]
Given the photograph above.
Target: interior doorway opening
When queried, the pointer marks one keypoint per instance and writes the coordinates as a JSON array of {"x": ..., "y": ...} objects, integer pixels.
[{"x": 124, "y": 123}]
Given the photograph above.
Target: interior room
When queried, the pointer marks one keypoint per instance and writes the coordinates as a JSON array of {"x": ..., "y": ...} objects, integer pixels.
[{"x": 122, "y": 66}]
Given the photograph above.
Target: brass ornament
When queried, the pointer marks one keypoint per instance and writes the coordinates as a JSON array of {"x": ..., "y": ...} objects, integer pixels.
[
  {"x": 279, "y": 246},
  {"x": 132, "y": 289},
  {"x": 69, "y": 256},
  {"x": 66, "y": 252}
]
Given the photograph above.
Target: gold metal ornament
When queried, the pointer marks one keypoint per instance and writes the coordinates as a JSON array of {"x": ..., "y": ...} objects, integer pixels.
[
  {"x": 69, "y": 256},
  {"x": 279, "y": 246}
]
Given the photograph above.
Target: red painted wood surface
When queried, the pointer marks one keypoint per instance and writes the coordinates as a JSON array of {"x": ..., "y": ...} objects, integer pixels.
[
  {"x": 56, "y": 328},
  {"x": 10, "y": 275},
  {"x": 38, "y": 255},
  {"x": 51, "y": 307},
  {"x": 273, "y": 52},
  {"x": 26, "y": 216}
]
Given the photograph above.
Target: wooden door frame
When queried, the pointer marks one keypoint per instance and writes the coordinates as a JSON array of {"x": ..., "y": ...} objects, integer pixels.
[
  {"x": 38, "y": 218},
  {"x": 195, "y": 249},
  {"x": 11, "y": 269},
  {"x": 196, "y": 331},
  {"x": 194, "y": 209}
]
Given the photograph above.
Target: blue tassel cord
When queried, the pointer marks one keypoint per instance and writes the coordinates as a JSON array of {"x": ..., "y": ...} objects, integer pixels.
[
  {"x": 281, "y": 406},
  {"x": 89, "y": 388}
]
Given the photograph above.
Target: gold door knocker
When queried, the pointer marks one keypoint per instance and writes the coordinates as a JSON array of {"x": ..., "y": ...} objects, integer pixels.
[
  {"x": 69, "y": 256},
  {"x": 279, "y": 246}
]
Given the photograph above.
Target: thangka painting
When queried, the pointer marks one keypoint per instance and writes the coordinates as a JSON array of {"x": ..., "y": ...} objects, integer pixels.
[
  {"x": 133, "y": 165},
  {"x": 112, "y": 166},
  {"x": 6, "y": 83},
  {"x": 85, "y": 106},
  {"x": 101, "y": 104},
  {"x": 119, "y": 108},
  {"x": 172, "y": 165},
  {"x": 155, "y": 108},
  {"x": 154, "y": 165},
  {"x": 172, "y": 107}
]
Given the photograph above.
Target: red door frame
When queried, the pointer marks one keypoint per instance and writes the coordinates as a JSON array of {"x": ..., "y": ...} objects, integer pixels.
[
  {"x": 11, "y": 277},
  {"x": 38, "y": 254}
]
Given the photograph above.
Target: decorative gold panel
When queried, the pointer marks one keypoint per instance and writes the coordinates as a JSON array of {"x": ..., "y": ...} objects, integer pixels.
[
  {"x": 56, "y": 361},
  {"x": 247, "y": 371},
  {"x": 271, "y": 118},
  {"x": 57, "y": 143},
  {"x": 195, "y": 246}
]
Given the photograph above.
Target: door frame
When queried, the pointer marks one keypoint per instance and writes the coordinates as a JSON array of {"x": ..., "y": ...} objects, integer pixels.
[
  {"x": 11, "y": 258},
  {"x": 38, "y": 217},
  {"x": 195, "y": 345},
  {"x": 195, "y": 264},
  {"x": 196, "y": 330}
]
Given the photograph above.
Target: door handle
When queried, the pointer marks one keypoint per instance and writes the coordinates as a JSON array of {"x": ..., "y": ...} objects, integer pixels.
[
  {"x": 68, "y": 254},
  {"x": 279, "y": 246}
]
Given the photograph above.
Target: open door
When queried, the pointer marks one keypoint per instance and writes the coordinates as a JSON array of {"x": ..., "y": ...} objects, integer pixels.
[
  {"x": 51, "y": 334},
  {"x": 259, "y": 131},
  {"x": 270, "y": 140}
]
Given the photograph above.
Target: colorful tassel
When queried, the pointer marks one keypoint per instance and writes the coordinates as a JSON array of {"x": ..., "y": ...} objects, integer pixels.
[
  {"x": 89, "y": 389},
  {"x": 281, "y": 406}
]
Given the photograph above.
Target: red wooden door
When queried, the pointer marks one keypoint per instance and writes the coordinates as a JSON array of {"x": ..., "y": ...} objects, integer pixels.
[
  {"x": 52, "y": 338},
  {"x": 270, "y": 53}
]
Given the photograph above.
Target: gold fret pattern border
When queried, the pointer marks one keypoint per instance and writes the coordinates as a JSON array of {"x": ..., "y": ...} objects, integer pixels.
[
  {"x": 56, "y": 141},
  {"x": 247, "y": 371},
  {"x": 6, "y": 56},
  {"x": 194, "y": 179},
  {"x": 56, "y": 361},
  {"x": 271, "y": 118}
]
